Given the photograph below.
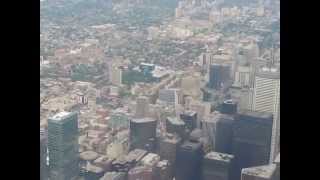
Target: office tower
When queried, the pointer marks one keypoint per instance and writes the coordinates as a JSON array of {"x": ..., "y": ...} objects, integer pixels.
[
  {"x": 250, "y": 50},
  {"x": 209, "y": 128},
  {"x": 242, "y": 77},
  {"x": 142, "y": 107},
  {"x": 219, "y": 75},
  {"x": 43, "y": 158},
  {"x": 245, "y": 99},
  {"x": 63, "y": 146},
  {"x": 115, "y": 74},
  {"x": 203, "y": 109},
  {"x": 176, "y": 126},
  {"x": 168, "y": 146},
  {"x": 266, "y": 172},
  {"x": 169, "y": 96},
  {"x": 251, "y": 139},
  {"x": 229, "y": 107},
  {"x": 266, "y": 98},
  {"x": 217, "y": 166},
  {"x": 188, "y": 164},
  {"x": 223, "y": 133},
  {"x": 190, "y": 119},
  {"x": 143, "y": 133}
]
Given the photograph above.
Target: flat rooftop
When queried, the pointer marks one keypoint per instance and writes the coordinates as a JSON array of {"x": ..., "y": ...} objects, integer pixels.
[
  {"x": 175, "y": 121},
  {"x": 143, "y": 120},
  {"x": 256, "y": 114},
  {"x": 61, "y": 116},
  {"x": 219, "y": 156},
  {"x": 266, "y": 171},
  {"x": 189, "y": 113}
]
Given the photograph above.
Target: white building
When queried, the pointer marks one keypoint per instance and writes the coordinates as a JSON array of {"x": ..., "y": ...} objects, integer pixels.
[
  {"x": 242, "y": 76},
  {"x": 115, "y": 74},
  {"x": 266, "y": 98}
]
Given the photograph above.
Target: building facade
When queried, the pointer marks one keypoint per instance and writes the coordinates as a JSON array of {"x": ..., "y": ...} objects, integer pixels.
[
  {"x": 252, "y": 133},
  {"x": 63, "y": 146},
  {"x": 266, "y": 98}
]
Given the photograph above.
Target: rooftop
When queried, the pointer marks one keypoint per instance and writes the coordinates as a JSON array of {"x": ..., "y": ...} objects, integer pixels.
[
  {"x": 89, "y": 155},
  {"x": 266, "y": 171},
  {"x": 269, "y": 72},
  {"x": 61, "y": 116},
  {"x": 189, "y": 113},
  {"x": 256, "y": 114},
  {"x": 150, "y": 159},
  {"x": 219, "y": 156},
  {"x": 142, "y": 120},
  {"x": 175, "y": 121}
]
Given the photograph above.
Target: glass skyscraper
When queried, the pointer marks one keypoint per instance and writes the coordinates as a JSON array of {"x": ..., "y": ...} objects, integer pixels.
[{"x": 63, "y": 146}]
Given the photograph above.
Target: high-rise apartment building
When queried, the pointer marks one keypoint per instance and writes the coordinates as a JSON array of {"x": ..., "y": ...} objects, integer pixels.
[
  {"x": 266, "y": 98},
  {"x": 63, "y": 146}
]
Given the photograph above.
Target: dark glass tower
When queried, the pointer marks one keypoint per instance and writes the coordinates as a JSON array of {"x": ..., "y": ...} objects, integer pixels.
[
  {"x": 63, "y": 146},
  {"x": 252, "y": 139},
  {"x": 219, "y": 74}
]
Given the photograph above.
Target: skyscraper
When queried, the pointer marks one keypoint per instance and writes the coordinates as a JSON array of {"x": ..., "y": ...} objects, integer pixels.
[
  {"x": 217, "y": 166},
  {"x": 143, "y": 133},
  {"x": 115, "y": 74},
  {"x": 219, "y": 75},
  {"x": 142, "y": 107},
  {"x": 242, "y": 76},
  {"x": 251, "y": 140},
  {"x": 63, "y": 146},
  {"x": 43, "y": 158},
  {"x": 190, "y": 119},
  {"x": 224, "y": 133},
  {"x": 188, "y": 164},
  {"x": 169, "y": 96},
  {"x": 266, "y": 98},
  {"x": 168, "y": 146}
]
